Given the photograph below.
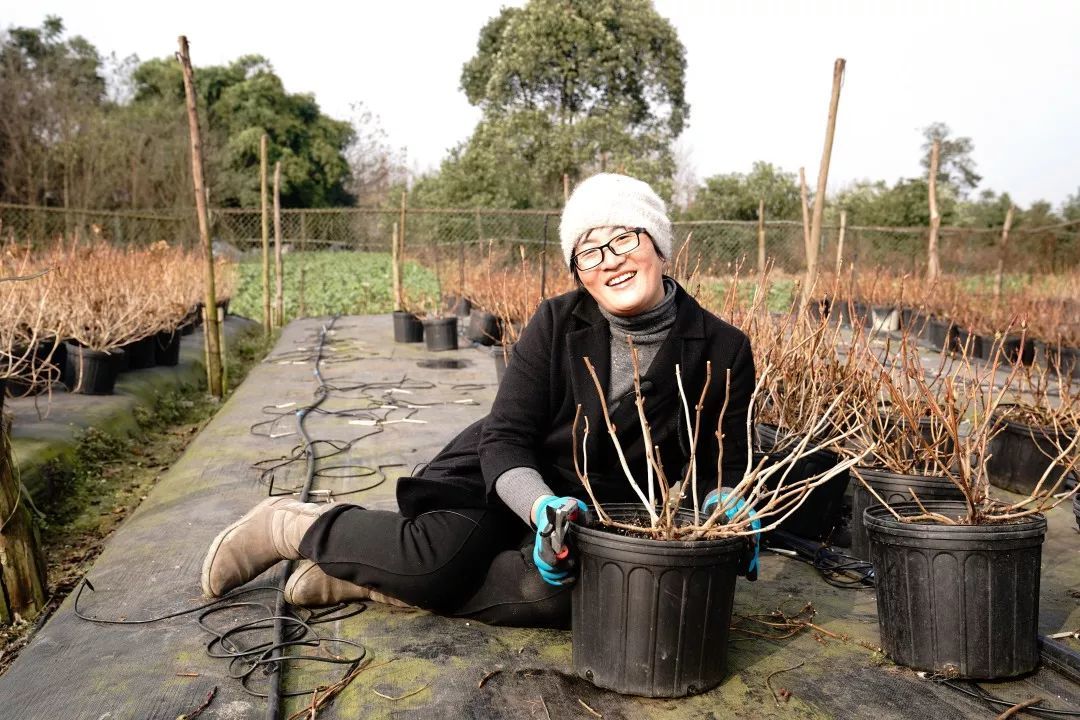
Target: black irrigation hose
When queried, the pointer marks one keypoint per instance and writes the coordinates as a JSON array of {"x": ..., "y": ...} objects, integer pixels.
[
  {"x": 976, "y": 691},
  {"x": 295, "y": 627},
  {"x": 836, "y": 568}
]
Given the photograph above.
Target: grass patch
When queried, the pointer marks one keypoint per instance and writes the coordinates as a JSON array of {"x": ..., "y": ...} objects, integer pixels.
[
  {"x": 345, "y": 282},
  {"x": 782, "y": 292}
]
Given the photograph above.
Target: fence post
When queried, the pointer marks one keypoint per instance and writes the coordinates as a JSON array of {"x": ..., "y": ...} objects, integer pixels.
[
  {"x": 395, "y": 264},
  {"x": 1001, "y": 251},
  {"x": 265, "y": 212},
  {"x": 933, "y": 262},
  {"x": 279, "y": 281},
  {"x": 210, "y": 326}
]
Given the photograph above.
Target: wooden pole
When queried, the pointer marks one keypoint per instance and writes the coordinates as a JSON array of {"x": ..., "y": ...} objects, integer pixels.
[
  {"x": 933, "y": 261},
  {"x": 22, "y": 564},
  {"x": 840, "y": 242},
  {"x": 565, "y": 188},
  {"x": 761, "y": 236},
  {"x": 1001, "y": 251},
  {"x": 823, "y": 177},
  {"x": 210, "y": 330},
  {"x": 395, "y": 265},
  {"x": 265, "y": 208},
  {"x": 279, "y": 289}
]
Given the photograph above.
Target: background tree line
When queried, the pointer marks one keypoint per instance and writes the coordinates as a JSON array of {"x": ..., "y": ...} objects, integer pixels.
[{"x": 565, "y": 87}]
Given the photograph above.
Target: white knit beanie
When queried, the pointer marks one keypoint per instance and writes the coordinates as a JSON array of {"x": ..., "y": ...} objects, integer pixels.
[{"x": 610, "y": 200}]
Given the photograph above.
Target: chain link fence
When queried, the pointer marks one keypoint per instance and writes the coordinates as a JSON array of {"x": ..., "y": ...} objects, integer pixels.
[{"x": 450, "y": 239}]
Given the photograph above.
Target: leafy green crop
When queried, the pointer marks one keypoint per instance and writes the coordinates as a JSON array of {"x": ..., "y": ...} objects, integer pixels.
[{"x": 347, "y": 283}]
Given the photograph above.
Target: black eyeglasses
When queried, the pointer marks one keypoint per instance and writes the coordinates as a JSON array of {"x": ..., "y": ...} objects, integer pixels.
[{"x": 618, "y": 245}]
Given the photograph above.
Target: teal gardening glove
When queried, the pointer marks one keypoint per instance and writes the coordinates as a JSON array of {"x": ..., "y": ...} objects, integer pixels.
[
  {"x": 551, "y": 552},
  {"x": 714, "y": 497}
]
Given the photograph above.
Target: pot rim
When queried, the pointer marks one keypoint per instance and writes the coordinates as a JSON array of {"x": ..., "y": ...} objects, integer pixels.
[{"x": 879, "y": 519}]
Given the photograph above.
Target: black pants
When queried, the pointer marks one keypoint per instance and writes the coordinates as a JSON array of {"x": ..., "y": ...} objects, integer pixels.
[{"x": 469, "y": 563}]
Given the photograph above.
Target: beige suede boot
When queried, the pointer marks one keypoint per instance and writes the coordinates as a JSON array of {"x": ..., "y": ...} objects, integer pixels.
[
  {"x": 269, "y": 533},
  {"x": 309, "y": 586}
]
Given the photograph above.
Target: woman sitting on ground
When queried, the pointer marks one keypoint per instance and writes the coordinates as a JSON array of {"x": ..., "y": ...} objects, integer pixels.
[{"x": 465, "y": 540}]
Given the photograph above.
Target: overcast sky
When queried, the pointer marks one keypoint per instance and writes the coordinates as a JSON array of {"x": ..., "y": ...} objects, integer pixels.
[{"x": 1006, "y": 74}]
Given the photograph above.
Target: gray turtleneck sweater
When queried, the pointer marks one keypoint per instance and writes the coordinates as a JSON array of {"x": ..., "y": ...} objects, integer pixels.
[{"x": 521, "y": 487}]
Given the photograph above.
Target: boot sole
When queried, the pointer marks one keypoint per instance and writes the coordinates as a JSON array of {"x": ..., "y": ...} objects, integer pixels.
[{"x": 211, "y": 554}]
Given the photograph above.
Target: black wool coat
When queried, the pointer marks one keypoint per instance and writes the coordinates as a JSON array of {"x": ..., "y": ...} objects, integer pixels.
[{"x": 533, "y": 413}]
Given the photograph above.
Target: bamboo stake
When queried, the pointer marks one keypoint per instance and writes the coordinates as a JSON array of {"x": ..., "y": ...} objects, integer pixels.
[
  {"x": 840, "y": 242},
  {"x": 395, "y": 266},
  {"x": 401, "y": 224},
  {"x": 265, "y": 211},
  {"x": 933, "y": 262},
  {"x": 823, "y": 176},
  {"x": 761, "y": 236},
  {"x": 565, "y": 188},
  {"x": 1001, "y": 251},
  {"x": 279, "y": 289},
  {"x": 210, "y": 330}
]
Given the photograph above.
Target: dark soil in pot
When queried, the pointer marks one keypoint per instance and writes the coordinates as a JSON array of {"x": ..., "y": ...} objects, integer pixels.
[
  {"x": 893, "y": 488},
  {"x": 484, "y": 328},
  {"x": 957, "y": 600},
  {"x": 652, "y": 617},
  {"x": 441, "y": 333},
  {"x": 91, "y": 372},
  {"x": 1021, "y": 453},
  {"x": 407, "y": 327},
  {"x": 167, "y": 348},
  {"x": 822, "y": 509}
]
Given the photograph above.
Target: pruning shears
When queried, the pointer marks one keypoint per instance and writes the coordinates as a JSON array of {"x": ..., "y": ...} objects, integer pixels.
[{"x": 554, "y": 548}]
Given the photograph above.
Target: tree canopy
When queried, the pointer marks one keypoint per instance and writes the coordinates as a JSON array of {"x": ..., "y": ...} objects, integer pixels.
[
  {"x": 736, "y": 196},
  {"x": 566, "y": 87}
]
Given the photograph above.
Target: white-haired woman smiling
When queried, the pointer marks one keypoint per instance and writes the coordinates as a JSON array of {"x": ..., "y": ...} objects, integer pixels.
[{"x": 465, "y": 541}]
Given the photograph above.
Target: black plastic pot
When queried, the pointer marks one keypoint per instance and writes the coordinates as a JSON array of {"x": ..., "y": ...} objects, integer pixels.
[
  {"x": 860, "y": 313},
  {"x": 167, "y": 348},
  {"x": 913, "y": 321},
  {"x": 1021, "y": 453},
  {"x": 501, "y": 355},
  {"x": 140, "y": 354},
  {"x": 463, "y": 307},
  {"x": 484, "y": 328},
  {"x": 441, "y": 333},
  {"x": 893, "y": 488},
  {"x": 940, "y": 332},
  {"x": 407, "y": 327},
  {"x": 957, "y": 600},
  {"x": 962, "y": 339},
  {"x": 652, "y": 617},
  {"x": 822, "y": 508},
  {"x": 1014, "y": 348},
  {"x": 1066, "y": 358},
  {"x": 91, "y": 372},
  {"x": 884, "y": 319},
  {"x": 41, "y": 372}
]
